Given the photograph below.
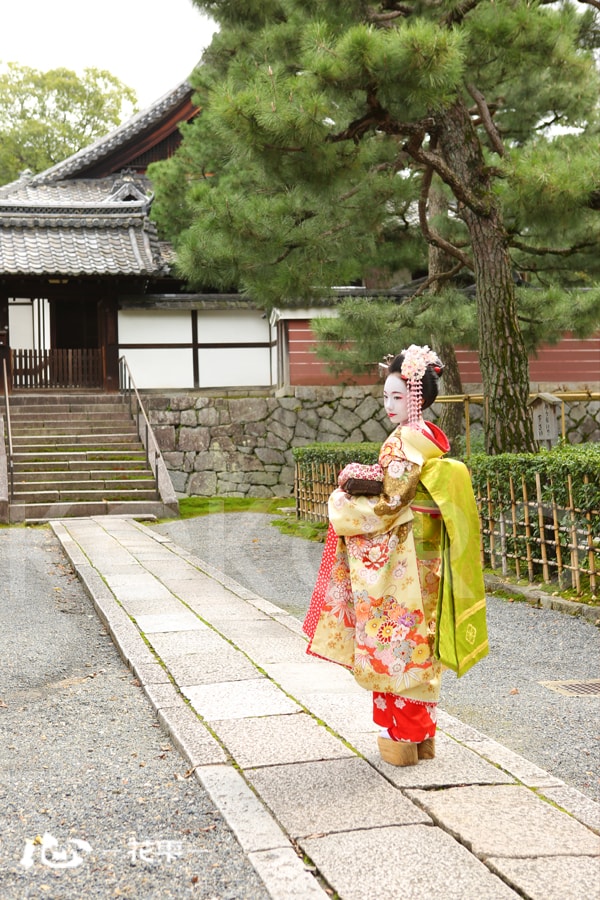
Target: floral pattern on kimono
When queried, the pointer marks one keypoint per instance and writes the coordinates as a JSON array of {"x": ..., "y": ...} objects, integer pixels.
[{"x": 378, "y": 613}]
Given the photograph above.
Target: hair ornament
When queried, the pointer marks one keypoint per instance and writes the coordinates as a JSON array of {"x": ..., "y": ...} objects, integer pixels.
[{"x": 416, "y": 361}]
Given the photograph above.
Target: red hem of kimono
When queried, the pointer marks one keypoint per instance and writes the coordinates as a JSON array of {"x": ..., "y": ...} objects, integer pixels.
[{"x": 412, "y": 721}]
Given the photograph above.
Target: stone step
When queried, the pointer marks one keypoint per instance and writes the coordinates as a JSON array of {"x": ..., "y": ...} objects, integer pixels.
[
  {"x": 83, "y": 496},
  {"x": 42, "y": 512},
  {"x": 82, "y": 467},
  {"x": 76, "y": 483},
  {"x": 50, "y": 431},
  {"x": 31, "y": 476},
  {"x": 65, "y": 398},
  {"x": 26, "y": 419},
  {"x": 92, "y": 438},
  {"x": 92, "y": 455}
]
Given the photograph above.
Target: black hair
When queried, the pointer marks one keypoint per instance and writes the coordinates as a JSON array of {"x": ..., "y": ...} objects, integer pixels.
[{"x": 429, "y": 381}]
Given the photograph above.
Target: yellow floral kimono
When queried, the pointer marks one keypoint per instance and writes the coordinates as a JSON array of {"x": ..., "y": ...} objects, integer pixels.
[{"x": 378, "y": 611}]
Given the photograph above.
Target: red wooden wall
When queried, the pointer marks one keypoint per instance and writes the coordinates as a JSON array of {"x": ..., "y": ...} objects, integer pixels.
[{"x": 571, "y": 361}]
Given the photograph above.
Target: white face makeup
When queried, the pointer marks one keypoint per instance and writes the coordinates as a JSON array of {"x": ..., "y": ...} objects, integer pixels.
[{"x": 395, "y": 400}]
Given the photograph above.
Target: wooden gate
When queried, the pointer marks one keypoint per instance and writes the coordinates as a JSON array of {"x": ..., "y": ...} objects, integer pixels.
[{"x": 71, "y": 368}]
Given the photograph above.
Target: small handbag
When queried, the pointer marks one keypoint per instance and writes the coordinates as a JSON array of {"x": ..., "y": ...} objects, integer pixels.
[{"x": 359, "y": 479}]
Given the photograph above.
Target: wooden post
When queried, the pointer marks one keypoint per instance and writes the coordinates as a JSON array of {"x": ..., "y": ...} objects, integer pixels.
[
  {"x": 575, "y": 580},
  {"x": 542, "y": 527}
]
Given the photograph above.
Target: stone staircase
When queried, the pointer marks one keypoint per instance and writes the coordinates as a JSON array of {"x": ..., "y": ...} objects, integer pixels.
[{"x": 78, "y": 454}]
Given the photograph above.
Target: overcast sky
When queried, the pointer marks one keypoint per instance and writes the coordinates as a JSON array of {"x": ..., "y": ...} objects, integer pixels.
[{"x": 151, "y": 45}]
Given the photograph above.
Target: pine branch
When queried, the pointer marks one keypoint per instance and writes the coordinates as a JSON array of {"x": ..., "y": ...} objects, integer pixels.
[
  {"x": 432, "y": 237},
  {"x": 415, "y": 149},
  {"x": 553, "y": 251},
  {"x": 387, "y": 19},
  {"x": 486, "y": 118},
  {"x": 457, "y": 15}
]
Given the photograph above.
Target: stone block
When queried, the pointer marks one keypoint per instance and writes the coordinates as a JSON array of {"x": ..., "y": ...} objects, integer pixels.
[
  {"x": 202, "y": 484},
  {"x": 346, "y": 419},
  {"x": 248, "y": 409},
  {"x": 163, "y": 417},
  {"x": 207, "y": 415},
  {"x": 553, "y": 878},
  {"x": 285, "y": 417},
  {"x": 375, "y": 432},
  {"x": 412, "y": 862},
  {"x": 211, "y": 460},
  {"x": 188, "y": 417},
  {"x": 282, "y": 431},
  {"x": 193, "y": 439},
  {"x": 503, "y": 820},
  {"x": 239, "y": 699},
  {"x": 165, "y": 437},
  {"x": 332, "y": 795},
  {"x": 268, "y": 455},
  {"x": 182, "y": 401},
  {"x": 368, "y": 408}
]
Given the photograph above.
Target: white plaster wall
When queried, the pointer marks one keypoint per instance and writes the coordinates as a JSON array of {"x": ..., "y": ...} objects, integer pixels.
[
  {"x": 20, "y": 324},
  {"x": 218, "y": 367},
  {"x": 160, "y": 368},
  {"x": 154, "y": 326},
  {"x": 234, "y": 367}
]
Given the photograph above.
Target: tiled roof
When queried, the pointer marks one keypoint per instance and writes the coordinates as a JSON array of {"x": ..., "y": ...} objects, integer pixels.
[
  {"x": 56, "y": 224},
  {"x": 65, "y": 193},
  {"x": 79, "y": 228},
  {"x": 128, "y": 131}
]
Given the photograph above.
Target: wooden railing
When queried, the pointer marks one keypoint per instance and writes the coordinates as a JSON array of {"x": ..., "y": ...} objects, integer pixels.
[
  {"x": 70, "y": 368},
  {"x": 530, "y": 537}
]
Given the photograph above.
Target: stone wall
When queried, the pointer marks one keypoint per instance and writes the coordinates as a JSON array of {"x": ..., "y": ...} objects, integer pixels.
[{"x": 241, "y": 446}]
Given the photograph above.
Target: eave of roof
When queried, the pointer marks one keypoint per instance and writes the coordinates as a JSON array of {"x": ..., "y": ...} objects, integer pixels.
[{"x": 134, "y": 128}]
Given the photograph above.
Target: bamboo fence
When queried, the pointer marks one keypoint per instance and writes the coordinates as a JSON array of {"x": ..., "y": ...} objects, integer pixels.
[{"x": 529, "y": 536}]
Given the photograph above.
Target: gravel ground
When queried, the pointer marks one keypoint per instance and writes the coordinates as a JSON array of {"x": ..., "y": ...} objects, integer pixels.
[
  {"x": 501, "y": 696},
  {"x": 85, "y": 771}
]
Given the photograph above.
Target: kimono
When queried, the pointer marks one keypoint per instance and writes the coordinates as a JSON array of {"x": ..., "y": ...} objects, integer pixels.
[{"x": 384, "y": 579}]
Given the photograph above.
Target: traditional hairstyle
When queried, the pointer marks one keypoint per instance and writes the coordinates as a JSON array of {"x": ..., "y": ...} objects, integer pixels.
[{"x": 421, "y": 368}]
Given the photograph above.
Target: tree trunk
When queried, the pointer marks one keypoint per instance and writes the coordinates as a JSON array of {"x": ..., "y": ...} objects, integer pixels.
[
  {"x": 502, "y": 354},
  {"x": 451, "y": 417}
]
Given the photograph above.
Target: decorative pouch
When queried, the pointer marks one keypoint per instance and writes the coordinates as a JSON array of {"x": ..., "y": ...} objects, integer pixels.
[{"x": 356, "y": 478}]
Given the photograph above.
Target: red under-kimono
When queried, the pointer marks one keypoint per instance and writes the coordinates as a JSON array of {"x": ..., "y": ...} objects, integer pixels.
[{"x": 374, "y": 605}]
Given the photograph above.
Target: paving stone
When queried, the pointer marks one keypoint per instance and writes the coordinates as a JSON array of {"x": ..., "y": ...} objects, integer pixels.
[
  {"x": 250, "y": 821},
  {"x": 453, "y": 765},
  {"x": 506, "y": 821},
  {"x": 190, "y": 736},
  {"x": 139, "y": 585},
  {"x": 188, "y": 582},
  {"x": 181, "y": 643},
  {"x": 457, "y": 729},
  {"x": 577, "y": 804},
  {"x": 239, "y": 699},
  {"x": 276, "y": 740},
  {"x": 152, "y": 606},
  {"x": 183, "y": 621},
  {"x": 265, "y": 642},
  {"x": 222, "y": 610},
  {"x": 411, "y": 862},
  {"x": 511, "y": 762},
  {"x": 331, "y": 795},
  {"x": 163, "y": 695},
  {"x": 226, "y": 664},
  {"x": 551, "y": 878},
  {"x": 285, "y": 875}
]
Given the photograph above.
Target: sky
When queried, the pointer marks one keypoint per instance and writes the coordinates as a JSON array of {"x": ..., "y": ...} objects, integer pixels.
[{"x": 151, "y": 45}]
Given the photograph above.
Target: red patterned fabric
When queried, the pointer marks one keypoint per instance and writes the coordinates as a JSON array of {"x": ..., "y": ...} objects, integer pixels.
[
  {"x": 405, "y": 720},
  {"x": 318, "y": 596}
]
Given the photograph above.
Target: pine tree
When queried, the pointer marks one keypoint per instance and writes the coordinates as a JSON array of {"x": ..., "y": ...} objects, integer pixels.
[{"x": 323, "y": 128}]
